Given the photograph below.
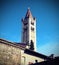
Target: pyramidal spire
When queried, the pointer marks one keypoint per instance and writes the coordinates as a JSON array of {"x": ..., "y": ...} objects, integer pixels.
[{"x": 28, "y": 14}]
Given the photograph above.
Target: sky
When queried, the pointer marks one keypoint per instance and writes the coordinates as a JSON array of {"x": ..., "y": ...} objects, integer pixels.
[{"x": 47, "y": 22}]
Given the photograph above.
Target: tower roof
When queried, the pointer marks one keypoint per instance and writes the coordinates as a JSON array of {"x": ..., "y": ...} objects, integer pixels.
[{"x": 28, "y": 14}]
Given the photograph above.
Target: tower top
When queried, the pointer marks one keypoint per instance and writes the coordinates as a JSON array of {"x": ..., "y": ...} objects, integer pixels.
[{"x": 28, "y": 14}]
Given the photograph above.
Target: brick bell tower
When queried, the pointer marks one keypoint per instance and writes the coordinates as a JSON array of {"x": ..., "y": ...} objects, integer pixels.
[{"x": 29, "y": 29}]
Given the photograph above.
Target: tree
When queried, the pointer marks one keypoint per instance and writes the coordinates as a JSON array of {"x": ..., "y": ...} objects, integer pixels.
[{"x": 31, "y": 45}]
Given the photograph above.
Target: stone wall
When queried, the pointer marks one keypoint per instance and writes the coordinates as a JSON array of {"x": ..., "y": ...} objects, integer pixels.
[
  {"x": 9, "y": 55},
  {"x": 13, "y": 54},
  {"x": 26, "y": 58}
]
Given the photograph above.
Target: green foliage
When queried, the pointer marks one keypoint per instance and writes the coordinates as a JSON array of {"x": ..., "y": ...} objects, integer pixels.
[{"x": 31, "y": 45}]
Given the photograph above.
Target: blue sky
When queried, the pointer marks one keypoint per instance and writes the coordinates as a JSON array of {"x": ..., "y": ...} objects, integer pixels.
[{"x": 47, "y": 22}]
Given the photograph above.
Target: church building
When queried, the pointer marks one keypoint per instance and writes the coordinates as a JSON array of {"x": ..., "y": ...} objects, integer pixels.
[{"x": 12, "y": 53}]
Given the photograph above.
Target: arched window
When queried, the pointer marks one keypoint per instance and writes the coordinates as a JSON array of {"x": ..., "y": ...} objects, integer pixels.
[
  {"x": 32, "y": 23},
  {"x": 32, "y": 28}
]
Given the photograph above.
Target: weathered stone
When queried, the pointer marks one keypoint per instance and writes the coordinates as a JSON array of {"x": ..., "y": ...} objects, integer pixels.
[{"x": 9, "y": 55}]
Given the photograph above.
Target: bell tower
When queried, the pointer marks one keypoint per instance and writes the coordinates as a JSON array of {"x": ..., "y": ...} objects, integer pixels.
[{"x": 29, "y": 29}]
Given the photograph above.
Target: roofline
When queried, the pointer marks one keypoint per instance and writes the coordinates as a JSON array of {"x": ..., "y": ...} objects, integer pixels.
[
  {"x": 6, "y": 40},
  {"x": 30, "y": 52},
  {"x": 10, "y": 43}
]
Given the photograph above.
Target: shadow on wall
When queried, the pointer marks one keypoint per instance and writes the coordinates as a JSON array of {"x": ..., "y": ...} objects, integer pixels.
[{"x": 54, "y": 61}]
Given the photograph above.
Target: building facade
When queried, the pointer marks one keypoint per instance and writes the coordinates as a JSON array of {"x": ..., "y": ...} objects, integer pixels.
[{"x": 10, "y": 53}]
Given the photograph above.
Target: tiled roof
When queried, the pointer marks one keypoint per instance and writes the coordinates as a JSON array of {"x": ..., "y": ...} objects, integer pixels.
[
  {"x": 18, "y": 45},
  {"x": 28, "y": 14},
  {"x": 30, "y": 52},
  {"x": 22, "y": 44}
]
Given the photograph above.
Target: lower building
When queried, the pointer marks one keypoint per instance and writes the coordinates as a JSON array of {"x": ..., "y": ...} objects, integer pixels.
[{"x": 13, "y": 54}]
